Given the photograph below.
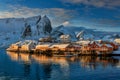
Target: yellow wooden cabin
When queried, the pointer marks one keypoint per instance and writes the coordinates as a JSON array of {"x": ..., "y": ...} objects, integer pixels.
[{"x": 43, "y": 47}]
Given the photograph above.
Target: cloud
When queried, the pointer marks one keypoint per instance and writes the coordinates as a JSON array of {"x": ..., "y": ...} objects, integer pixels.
[
  {"x": 18, "y": 12},
  {"x": 66, "y": 23},
  {"x": 57, "y": 15},
  {"x": 96, "y": 3}
]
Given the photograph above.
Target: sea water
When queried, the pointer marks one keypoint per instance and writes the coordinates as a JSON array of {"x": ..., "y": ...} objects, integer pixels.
[{"x": 24, "y": 66}]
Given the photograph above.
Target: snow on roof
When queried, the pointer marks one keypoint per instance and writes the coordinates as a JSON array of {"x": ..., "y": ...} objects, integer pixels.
[
  {"x": 76, "y": 45},
  {"x": 96, "y": 43},
  {"x": 99, "y": 45},
  {"x": 26, "y": 42},
  {"x": 18, "y": 43},
  {"x": 108, "y": 45},
  {"x": 91, "y": 42},
  {"x": 83, "y": 42},
  {"x": 59, "y": 45},
  {"x": 44, "y": 45}
]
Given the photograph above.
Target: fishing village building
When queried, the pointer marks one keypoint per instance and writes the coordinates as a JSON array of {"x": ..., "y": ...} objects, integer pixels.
[{"x": 80, "y": 47}]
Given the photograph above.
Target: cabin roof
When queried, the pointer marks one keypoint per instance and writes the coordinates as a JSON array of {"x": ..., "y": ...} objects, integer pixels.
[
  {"x": 108, "y": 45},
  {"x": 99, "y": 45},
  {"x": 76, "y": 45},
  {"x": 83, "y": 42},
  {"x": 18, "y": 43},
  {"x": 91, "y": 42},
  {"x": 44, "y": 45},
  {"x": 59, "y": 45},
  {"x": 27, "y": 42}
]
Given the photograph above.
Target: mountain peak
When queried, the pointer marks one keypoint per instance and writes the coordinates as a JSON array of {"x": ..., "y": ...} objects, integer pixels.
[
  {"x": 45, "y": 24},
  {"x": 45, "y": 16}
]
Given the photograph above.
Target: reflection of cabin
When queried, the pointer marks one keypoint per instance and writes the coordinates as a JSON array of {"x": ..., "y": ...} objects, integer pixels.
[
  {"x": 65, "y": 38},
  {"x": 86, "y": 60},
  {"x": 41, "y": 59},
  {"x": 14, "y": 56},
  {"x": 21, "y": 56},
  {"x": 106, "y": 48},
  {"x": 24, "y": 57},
  {"x": 57, "y": 60},
  {"x": 28, "y": 45}
]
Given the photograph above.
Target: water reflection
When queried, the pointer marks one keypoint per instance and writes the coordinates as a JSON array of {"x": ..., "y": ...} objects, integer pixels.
[
  {"x": 93, "y": 62},
  {"x": 47, "y": 60},
  {"x": 41, "y": 67},
  {"x": 19, "y": 57},
  {"x": 85, "y": 61},
  {"x": 14, "y": 56},
  {"x": 24, "y": 58}
]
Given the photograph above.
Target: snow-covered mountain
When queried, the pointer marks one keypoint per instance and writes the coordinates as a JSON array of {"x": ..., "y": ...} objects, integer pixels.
[
  {"x": 14, "y": 29},
  {"x": 10, "y": 24},
  {"x": 85, "y": 35},
  {"x": 61, "y": 30},
  {"x": 78, "y": 33}
]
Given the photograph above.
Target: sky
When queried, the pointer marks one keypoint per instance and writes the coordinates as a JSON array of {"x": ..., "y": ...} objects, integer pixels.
[{"x": 102, "y": 15}]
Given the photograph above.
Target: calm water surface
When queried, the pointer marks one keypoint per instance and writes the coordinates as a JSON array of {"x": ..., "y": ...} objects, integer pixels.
[{"x": 14, "y": 66}]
